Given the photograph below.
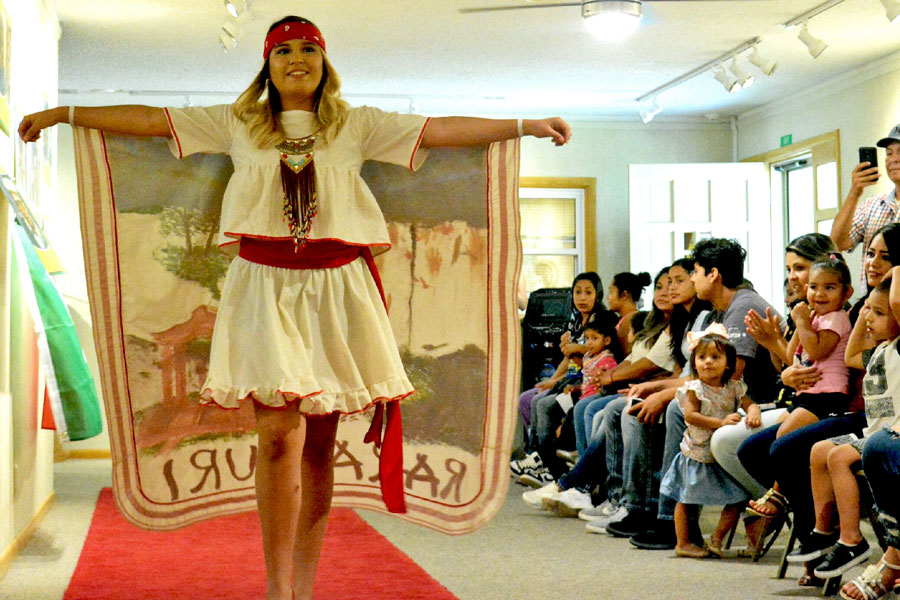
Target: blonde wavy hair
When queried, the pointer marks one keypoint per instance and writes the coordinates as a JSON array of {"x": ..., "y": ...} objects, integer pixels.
[{"x": 260, "y": 104}]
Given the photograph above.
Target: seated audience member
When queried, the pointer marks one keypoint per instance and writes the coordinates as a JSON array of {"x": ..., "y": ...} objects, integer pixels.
[
  {"x": 799, "y": 255},
  {"x": 718, "y": 278},
  {"x": 688, "y": 311},
  {"x": 602, "y": 356},
  {"x": 624, "y": 293},
  {"x": 833, "y": 461},
  {"x": 822, "y": 330},
  {"x": 857, "y": 223},
  {"x": 787, "y": 459},
  {"x": 650, "y": 356},
  {"x": 881, "y": 463},
  {"x": 586, "y": 300}
]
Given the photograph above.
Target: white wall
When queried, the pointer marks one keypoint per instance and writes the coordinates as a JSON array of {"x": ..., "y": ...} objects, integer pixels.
[
  {"x": 26, "y": 467},
  {"x": 862, "y": 105},
  {"x": 604, "y": 150}
]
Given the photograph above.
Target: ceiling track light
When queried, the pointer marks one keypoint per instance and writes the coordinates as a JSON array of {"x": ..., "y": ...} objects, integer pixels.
[
  {"x": 891, "y": 9},
  {"x": 714, "y": 63},
  {"x": 231, "y": 8},
  {"x": 812, "y": 43},
  {"x": 767, "y": 67},
  {"x": 744, "y": 78},
  {"x": 647, "y": 112},
  {"x": 232, "y": 29},
  {"x": 612, "y": 19},
  {"x": 728, "y": 81},
  {"x": 227, "y": 41}
]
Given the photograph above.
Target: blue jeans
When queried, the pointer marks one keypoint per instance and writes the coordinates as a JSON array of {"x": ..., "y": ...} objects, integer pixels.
[
  {"x": 584, "y": 416},
  {"x": 675, "y": 427},
  {"x": 642, "y": 464},
  {"x": 590, "y": 470},
  {"x": 881, "y": 462},
  {"x": 786, "y": 460},
  {"x": 611, "y": 430}
]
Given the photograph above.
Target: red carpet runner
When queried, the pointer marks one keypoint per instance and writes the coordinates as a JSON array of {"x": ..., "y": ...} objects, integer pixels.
[{"x": 222, "y": 559}]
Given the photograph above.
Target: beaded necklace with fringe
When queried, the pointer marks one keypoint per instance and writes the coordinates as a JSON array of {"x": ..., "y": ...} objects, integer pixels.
[{"x": 298, "y": 179}]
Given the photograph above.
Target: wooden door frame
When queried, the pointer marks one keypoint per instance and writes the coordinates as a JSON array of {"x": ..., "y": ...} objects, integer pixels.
[{"x": 589, "y": 186}]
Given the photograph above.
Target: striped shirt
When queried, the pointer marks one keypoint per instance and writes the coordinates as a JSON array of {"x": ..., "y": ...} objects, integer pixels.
[{"x": 873, "y": 214}]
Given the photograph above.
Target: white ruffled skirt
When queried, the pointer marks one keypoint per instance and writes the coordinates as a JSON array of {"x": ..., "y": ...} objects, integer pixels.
[{"x": 320, "y": 336}]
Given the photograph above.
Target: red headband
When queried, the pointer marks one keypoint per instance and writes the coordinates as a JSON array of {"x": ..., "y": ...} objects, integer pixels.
[{"x": 293, "y": 30}]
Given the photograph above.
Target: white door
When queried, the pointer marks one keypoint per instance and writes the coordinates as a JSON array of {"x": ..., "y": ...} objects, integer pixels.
[{"x": 672, "y": 206}]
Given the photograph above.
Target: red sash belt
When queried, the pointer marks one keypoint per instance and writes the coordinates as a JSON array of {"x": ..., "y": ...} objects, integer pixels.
[{"x": 330, "y": 254}]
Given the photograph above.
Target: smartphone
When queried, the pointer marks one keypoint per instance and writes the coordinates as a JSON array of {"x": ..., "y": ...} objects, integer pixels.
[{"x": 870, "y": 155}]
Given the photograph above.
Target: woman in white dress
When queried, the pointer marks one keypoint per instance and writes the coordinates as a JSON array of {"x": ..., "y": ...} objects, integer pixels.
[{"x": 301, "y": 330}]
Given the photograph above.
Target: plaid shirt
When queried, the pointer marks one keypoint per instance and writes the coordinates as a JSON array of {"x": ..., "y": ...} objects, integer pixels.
[{"x": 873, "y": 214}]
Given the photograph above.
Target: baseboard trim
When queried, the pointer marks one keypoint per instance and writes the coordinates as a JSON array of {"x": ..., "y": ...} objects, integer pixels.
[
  {"x": 21, "y": 540},
  {"x": 85, "y": 454}
]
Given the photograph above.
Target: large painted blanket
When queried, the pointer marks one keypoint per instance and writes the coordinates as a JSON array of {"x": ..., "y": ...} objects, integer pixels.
[{"x": 149, "y": 223}]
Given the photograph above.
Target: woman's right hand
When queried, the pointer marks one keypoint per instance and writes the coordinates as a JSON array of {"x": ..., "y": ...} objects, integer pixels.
[
  {"x": 642, "y": 389},
  {"x": 545, "y": 384},
  {"x": 800, "y": 378},
  {"x": 766, "y": 332},
  {"x": 31, "y": 126}
]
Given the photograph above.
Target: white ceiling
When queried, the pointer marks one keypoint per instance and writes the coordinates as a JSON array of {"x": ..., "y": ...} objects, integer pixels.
[{"x": 527, "y": 62}]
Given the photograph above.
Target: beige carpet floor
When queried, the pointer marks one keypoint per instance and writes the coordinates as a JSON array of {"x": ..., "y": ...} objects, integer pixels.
[{"x": 522, "y": 554}]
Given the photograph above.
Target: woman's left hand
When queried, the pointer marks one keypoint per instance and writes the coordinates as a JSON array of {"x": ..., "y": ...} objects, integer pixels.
[
  {"x": 554, "y": 128},
  {"x": 766, "y": 332}
]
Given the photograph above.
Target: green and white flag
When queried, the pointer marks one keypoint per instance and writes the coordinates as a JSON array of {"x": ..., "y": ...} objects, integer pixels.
[{"x": 70, "y": 386}]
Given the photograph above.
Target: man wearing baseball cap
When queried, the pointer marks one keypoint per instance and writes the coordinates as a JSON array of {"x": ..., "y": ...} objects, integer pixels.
[{"x": 856, "y": 222}]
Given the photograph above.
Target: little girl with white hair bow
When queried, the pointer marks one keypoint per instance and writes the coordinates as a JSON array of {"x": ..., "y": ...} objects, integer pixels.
[{"x": 709, "y": 401}]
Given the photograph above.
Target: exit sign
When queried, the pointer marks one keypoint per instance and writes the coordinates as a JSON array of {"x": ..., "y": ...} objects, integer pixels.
[{"x": 787, "y": 140}]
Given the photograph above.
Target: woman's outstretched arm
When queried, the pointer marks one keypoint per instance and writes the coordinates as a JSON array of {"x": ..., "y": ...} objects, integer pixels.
[
  {"x": 127, "y": 119},
  {"x": 473, "y": 131}
]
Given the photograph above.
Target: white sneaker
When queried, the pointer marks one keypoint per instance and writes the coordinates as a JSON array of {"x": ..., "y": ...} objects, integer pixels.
[
  {"x": 535, "y": 498},
  {"x": 599, "y": 526},
  {"x": 568, "y": 503},
  {"x": 536, "y": 478},
  {"x": 530, "y": 462},
  {"x": 607, "y": 508}
]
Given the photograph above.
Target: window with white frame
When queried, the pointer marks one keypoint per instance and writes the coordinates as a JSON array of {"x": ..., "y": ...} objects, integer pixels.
[{"x": 553, "y": 236}]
